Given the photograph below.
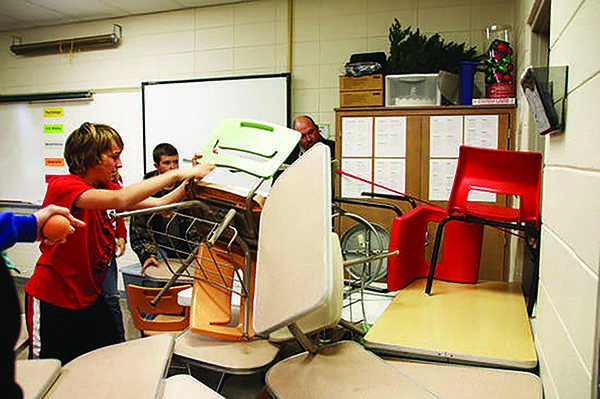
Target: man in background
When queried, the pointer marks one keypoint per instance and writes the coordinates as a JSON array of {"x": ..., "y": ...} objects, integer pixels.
[
  {"x": 166, "y": 158},
  {"x": 310, "y": 136}
]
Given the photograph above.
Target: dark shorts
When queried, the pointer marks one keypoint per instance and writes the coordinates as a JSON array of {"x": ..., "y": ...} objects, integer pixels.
[{"x": 64, "y": 334}]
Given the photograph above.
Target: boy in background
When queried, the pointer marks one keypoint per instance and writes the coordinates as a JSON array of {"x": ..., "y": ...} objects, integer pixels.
[{"x": 166, "y": 159}]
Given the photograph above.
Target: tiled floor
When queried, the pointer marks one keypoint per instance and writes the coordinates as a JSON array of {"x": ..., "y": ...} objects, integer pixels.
[{"x": 247, "y": 386}]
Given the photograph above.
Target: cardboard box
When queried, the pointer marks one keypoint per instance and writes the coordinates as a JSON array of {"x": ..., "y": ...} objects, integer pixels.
[
  {"x": 367, "y": 82},
  {"x": 364, "y": 98}
]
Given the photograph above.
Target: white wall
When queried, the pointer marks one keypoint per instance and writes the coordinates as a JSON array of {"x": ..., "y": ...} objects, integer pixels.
[
  {"x": 243, "y": 39},
  {"x": 565, "y": 320}
]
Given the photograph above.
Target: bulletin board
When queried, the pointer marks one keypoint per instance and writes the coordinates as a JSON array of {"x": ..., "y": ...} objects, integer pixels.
[
  {"x": 184, "y": 113},
  {"x": 33, "y": 136}
]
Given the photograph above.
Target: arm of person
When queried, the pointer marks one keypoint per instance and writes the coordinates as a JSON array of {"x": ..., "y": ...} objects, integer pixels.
[
  {"x": 28, "y": 228},
  {"x": 121, "y": 238},
  {"x": 135, "y": 196},
  {"x": 140, "y": 240},
  {"x": 14, "y": 228}
]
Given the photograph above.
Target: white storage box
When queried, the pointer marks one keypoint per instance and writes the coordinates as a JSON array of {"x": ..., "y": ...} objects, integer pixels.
[{"x": 412, "y": 90}]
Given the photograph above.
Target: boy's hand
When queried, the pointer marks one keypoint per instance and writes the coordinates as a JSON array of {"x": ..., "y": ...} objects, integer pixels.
[
  {"x": 44, "y": 214},
  {"x": 151, "y": 261},
  {"x": 199, "y": 171},
  {"x": 120, "y": 248}
]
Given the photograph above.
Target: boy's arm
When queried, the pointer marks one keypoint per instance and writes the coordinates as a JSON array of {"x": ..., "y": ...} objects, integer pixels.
[{"x": 134, "y": 196}]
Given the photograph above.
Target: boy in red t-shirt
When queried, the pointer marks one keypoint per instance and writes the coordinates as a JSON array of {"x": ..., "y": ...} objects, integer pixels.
[{"x": 66, "y": 316}]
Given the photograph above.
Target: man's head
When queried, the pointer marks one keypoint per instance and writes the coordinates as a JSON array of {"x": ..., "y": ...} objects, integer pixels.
[
  {"x": 165, "y": 157},
  {"x": 309, "y": 131},
  {"x": 93, "y": 145}
]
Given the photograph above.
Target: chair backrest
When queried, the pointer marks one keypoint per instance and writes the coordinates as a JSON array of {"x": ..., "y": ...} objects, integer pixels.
[
  {"x": 299, "y": 267},
  {"x": 500, "y": 172},
  {"x": 139, "y": 303},
  {"x": 255, "y": 147}
]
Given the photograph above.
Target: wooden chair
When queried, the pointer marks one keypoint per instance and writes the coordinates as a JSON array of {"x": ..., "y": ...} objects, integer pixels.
[{"x": 169, "y": 316}]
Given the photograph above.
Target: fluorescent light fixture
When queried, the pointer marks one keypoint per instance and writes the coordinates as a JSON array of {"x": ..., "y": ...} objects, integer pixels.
[
  {"x": 46, "y": 97},
  {"x": 68, "y": 45}
]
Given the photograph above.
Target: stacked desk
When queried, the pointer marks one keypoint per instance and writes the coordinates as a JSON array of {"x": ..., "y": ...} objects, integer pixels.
[{"x": 481, "y": 324}]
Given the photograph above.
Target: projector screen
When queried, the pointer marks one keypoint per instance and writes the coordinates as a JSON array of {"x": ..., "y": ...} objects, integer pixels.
[{"x": 184, "y": 113}]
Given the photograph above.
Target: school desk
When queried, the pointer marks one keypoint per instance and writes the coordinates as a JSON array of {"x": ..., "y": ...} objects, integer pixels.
[
  {"x": 452, "y": 381},
  {"x": 484, "y": 323}
]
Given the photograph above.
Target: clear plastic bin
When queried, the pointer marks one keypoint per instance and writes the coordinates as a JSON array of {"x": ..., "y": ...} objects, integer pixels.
[{"x": 412, "y": 90}]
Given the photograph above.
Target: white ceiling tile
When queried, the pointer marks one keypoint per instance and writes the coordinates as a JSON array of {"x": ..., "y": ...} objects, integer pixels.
[{"x": 22, "y": 14}]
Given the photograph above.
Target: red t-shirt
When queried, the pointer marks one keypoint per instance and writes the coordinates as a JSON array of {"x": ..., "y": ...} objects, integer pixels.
[{"x": 70, "y": 275}]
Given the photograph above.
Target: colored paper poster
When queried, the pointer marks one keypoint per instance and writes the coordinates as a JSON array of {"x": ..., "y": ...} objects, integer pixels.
[
  {"x": 54, "y": 128},
  {"x": 56, "y": 112},
  {"x": 54, "y": 162}
]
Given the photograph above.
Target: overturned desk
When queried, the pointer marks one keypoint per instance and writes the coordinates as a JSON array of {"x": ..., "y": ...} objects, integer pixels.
[{"x": 481, "y": 324}]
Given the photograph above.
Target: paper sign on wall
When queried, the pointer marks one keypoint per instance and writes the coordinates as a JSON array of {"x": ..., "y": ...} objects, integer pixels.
[
  {"x": 360, "y": 167},
  {"x": 53, "y": 112},
  {"x": 357, "y": 139}
]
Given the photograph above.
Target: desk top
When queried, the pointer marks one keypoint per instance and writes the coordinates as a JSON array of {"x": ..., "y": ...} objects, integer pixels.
[
  {"x": 448, "y": 380},
  {"x": 484, "y": 323},
  {"x": 132, "y": 369}
]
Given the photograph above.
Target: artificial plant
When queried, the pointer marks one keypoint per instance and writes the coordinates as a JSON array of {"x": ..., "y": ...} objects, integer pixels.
[{"x": 413, "y": 52}]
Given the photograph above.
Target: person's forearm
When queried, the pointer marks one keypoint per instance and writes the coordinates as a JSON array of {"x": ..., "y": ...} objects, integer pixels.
[
  {"x": 14, "y": 228},
  {"x": 135, "y": 193}
]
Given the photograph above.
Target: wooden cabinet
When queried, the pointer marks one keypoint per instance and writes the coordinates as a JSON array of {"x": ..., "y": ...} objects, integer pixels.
[{"x": 413, "y": 150}]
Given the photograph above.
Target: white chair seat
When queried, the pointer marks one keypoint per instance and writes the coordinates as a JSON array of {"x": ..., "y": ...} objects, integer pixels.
[
  {"x": 132, "y": 369},
  {"x": 232, "y": 357},
  {"x": 35, "y": 377},
  {"x": 183, "y": 386},
  {"x": 342, "y": 370}
]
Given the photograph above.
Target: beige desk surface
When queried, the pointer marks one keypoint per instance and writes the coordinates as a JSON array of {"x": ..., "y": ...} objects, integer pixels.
[
  {"x": 234, "y": 357},
  {"x": 132, "y": 369},
  {"x": 484, "y": 323},
  {"x": 183, "y": 386},
  {"x": 35, "y": 377},
  {"x": 451, "y": 381}
]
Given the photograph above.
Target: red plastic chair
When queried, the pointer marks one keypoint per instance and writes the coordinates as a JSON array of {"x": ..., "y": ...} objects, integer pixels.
[
  {"x": 460, "y": 257},
  {"x": 494, "y": 171}
]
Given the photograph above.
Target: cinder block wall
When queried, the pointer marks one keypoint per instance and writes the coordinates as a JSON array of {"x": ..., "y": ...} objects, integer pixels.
[{"x": 565, "y": 322}]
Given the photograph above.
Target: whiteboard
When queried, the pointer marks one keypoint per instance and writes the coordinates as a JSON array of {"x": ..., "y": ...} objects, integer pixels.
[
  {"x": 22, "y": 151},
  {"x": 184, "y": 113}
]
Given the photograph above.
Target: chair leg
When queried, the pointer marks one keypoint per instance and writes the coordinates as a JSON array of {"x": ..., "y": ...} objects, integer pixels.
[
  {"x": 436, "y": 249},
  {"x": 533, "y": 285},
  {"x": 221, "y": 382}
]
